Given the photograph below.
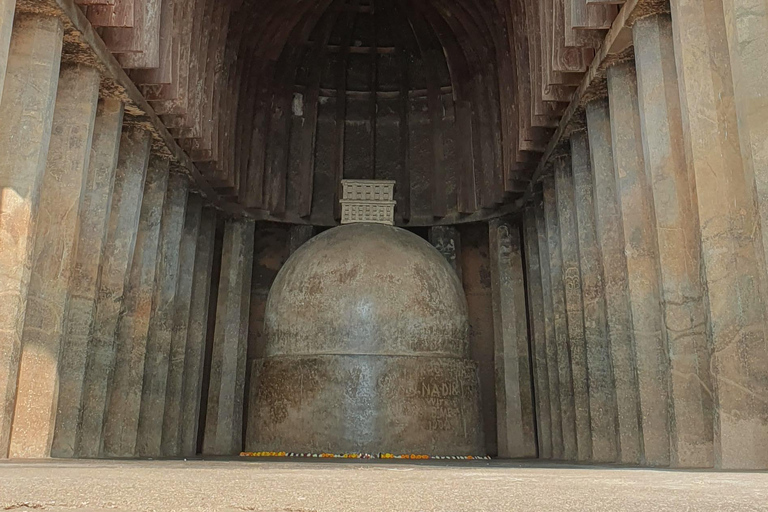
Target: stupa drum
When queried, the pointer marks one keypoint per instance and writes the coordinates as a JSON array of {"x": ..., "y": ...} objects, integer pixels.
[{"x": 367, "y": 351}]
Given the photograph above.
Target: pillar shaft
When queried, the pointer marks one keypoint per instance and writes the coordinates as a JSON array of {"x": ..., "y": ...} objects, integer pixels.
[
  {"x": 475, "y": 265},
  {"x": 26, "y": 111},
  {"x": 171, "y": 445},
  {"x": 56, "y": 241},
  {"x": 7, "y": 9},
  {"x": 569, "y": 250},
  {"x": 560, "y": 320},
  {"x": 641, "y": 249},
  {"x": 602, "y": 392},
  {"x": 549, "y": 335},
  {"x": 119, "y": 245},
  {"x": 732, "y": 250},
  {"x": 746, "y": 28},
  {"x": 447, "y": 240},
  {"x": 610, "y": 239},
  {"x": 197, "y": 331},
  {"x": 223, "y": 426},
  {"x": 298, "y": 236},
  {"x": 84, "y": 283},
  {"x": 538, "y": 335},
  {"x": 514, "y": 396},
  {"x": 125, "y": 388},
  {"x": 677, "y": 230},
  {"x": 160, "y": 334}
]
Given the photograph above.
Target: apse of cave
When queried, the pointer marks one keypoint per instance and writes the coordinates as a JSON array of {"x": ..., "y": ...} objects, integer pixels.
[{"x": 447, "y": 229}]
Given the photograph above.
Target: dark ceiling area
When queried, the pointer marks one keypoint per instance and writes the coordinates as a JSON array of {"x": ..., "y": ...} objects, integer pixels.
[{"x": 277, "y": 101}]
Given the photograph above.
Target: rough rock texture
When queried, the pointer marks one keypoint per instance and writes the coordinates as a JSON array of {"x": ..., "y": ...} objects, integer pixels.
[
  {"x": 641, "y": 249},
  {"x": 514, "y": 393},
  {"x": 182, "y": 304},
  {"x": 119, "y": 246},
  {"x": 475, "y": 265},
  {"x": 538, "y": 335},
  {"x": 56, "y": 241},
  {"x": 731, "y": 242},
  {"x": 569, "y": 250},
  {"x": 677, "y": 231},
  {"x": 160, "y": 334},
  {"x": 560, "y": 320},
  {"x": 121, "y": 422},
  {"x": 447, "y": 240},
  {"x": 366, "y": 350},
  {"x": 84, "y": 283},
  {"x": 226, "y": 392},
  {"x": 27, "y": 115},
  {"x": 602, "y": 391},
  {"x": 7, "y": 10},
  {"x": 196, "y": 333},
  {"x": 549, "y": 334},
  {"x": 610, "y": 238},
  {"x": 298, "y": 236}
]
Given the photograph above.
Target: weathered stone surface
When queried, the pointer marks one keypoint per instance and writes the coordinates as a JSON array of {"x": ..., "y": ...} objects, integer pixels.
[
  {"x": 746, "y": 24},
  {"x": 223, "y": 422},
  {"x": 84, "y": 283},
  {"x": 447, "y": 240},
  {"x": 119, "y": 246},
  {"x": 374, "y": 360},
  {"x": 538, "y": 335},
  {"x": 271, "y": 250},
  {"x": 7, "y": 9},
  {"x": 161, "y": 324},
  {"x": 549, "y": 334},
  {"x": 365, "y": 403},
  {"x": 569, "y": 249},
  {"x": 121, "y": 423},
  {"x": 27, "y": 115},
  {"x": 197, "y": 330},
  {"x": 610, "y": 239},
  {"x": 298, "y": 236},
  {"x": 514, "y": 395},
  {"x": 641, "y": 249},
  {"x": 56, "y": 241},
  {"x": 171, "y": 438},
  {"x": 560, "y": 321},
  {"x": 602, "y": 392},
  {"x": 746, "y": 27},
  {"x": 475, "y": 264},
  {"x": 732, "y": 251},
  {"x": 677, "y": 231}
]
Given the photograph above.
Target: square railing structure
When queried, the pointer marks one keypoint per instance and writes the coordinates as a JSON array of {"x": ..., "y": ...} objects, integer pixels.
[{"x": 368, "y": 201}]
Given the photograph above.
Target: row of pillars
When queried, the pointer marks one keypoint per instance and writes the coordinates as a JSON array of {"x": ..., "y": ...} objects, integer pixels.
[
  {"x": 646, "y": 256},
  {"x": 106, "y": 262}
]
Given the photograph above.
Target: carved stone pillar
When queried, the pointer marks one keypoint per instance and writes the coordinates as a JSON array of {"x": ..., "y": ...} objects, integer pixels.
[
  {"x": 29, "y": 95},
  {"x": 116, "y": 262},
  {"x": 514, "y": 396},
  {"x": 56, "y": 241},
  {"x": 122, "y": 414}
]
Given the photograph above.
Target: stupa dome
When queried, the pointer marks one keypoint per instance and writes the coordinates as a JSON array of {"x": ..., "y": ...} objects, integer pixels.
[
  {"x": 367, "y": 289},
  {"x": 367, "y": 351}
]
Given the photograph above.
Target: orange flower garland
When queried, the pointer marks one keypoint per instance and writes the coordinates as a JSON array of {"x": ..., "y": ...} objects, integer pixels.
[{"x": 411, "y": 456}]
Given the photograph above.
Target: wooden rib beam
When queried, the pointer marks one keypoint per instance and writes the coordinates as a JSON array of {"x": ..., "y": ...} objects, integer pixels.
[
  {"x": 616, "y": 46},
  {"x": 116, "y": 83}
]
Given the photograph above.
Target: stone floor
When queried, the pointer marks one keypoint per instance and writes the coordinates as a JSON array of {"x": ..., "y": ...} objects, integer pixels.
[{"x": 377, "y": 485}]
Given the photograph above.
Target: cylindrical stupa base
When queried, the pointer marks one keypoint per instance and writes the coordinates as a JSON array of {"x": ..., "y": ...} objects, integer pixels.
[{"x": 365, "y": 404}]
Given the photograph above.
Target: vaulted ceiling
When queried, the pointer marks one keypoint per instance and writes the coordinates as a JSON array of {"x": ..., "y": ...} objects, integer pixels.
[{"x": 276, "y": 101}]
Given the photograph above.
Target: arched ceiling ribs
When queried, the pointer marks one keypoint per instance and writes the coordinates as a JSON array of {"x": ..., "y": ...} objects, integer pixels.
[{"x": 277, "y": 100}]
